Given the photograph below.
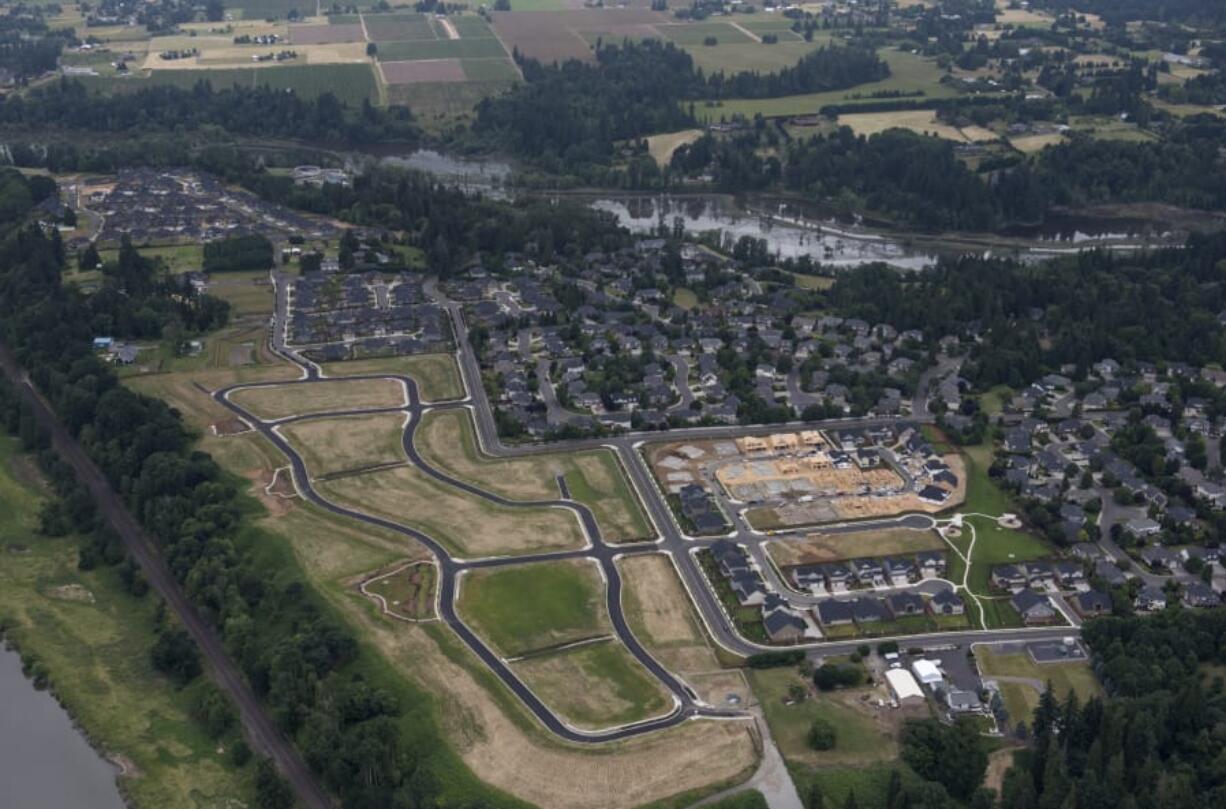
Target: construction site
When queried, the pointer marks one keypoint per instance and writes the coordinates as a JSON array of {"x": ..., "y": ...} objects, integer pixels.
[{"x": 789, "y": 479}]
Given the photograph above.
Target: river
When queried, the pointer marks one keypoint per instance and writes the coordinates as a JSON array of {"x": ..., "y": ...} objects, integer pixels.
[
  {"x": 45, "y": 762},
  {"x": 794, "y": 229}
]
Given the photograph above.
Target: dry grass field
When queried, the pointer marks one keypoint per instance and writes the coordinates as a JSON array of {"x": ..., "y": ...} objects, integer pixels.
[
  {"x": 469, "y": 526},
  {"x": 329, "y": 446},
  {"x": 923, "y": 122},
  {"x": 436, "y": 375},
  {"x": 661, "y": 615},
  {"x": 446, "y": 440},
  {"x": 819, "y": 548},
  {"x": 1029, "y": 144},
  {"x": 279, "y": 401},
  {"x": 596, "y": 686},
  {"x": 662, "y": 147}
]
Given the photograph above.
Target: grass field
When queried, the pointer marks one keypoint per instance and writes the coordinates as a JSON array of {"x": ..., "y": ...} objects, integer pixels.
[
  {"x": 436, "y": 375},
  {"x": 329, "y": 446},
  {"x": 96, "y": 647},
  {"x": 446, "y": 440},
  {"x": 279, "y": 401},
  {"x": 908, "y": 73},
  {"x": 409, "y": 593},
  {"x": 528, "y": 608},
  {"x": 1021, "y": 698},
  {"x": 178, "y": 258},
  {"x": 247, "y": 293},
  {"x": 862, "y": 740},
  {"x": 467, "y": 525},
  {"x": 818, "y": 548},
  {"x": 596, "y": 686}
]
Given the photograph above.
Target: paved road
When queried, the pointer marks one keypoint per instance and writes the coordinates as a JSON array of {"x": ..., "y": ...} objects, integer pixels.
[
  {"x": 681, "y": 381},
  {"x": 452, "y": 569},
  {"x": 260, "y": 729},
  {"x": 671, "y": 540}
]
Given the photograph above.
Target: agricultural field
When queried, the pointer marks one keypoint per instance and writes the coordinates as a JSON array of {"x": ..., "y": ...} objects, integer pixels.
[
  {"x": 528, "y": 609},
  {"x": 349, "y": 81},
  {"x": 469, "y": 526},
  {"x": 333, "y": 446},
  {"x": 436, "y": 375},
  {"x": 447, "y": 442},
  {"x": 279, "y": 401},
  {"x": 94, "y": 639},
  {"x": 923, "y": 122}
]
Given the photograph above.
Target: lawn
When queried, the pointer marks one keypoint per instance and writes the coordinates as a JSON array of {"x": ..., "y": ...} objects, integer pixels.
[
  {"x": 862, "y": 740},
  {"x": 530, "y": 608},
  {"x": 596, "y": 686},
  {"x": 685, "y": 298},
  {"x": 94, "y": 639},
  {"x": 469, "y": 526},
  {"x": 279, "y": 401},
  {"x": 446, "y": 440},
  {"x": 436, "y": 375},
  {"x": 332, "y": 446},
  {"x": 1021, "y": 698}
]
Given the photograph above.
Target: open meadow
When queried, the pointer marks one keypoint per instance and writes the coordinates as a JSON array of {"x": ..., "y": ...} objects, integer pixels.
[
  {"x": 334, "y": 446},
  {"x": 469, "y": 526},
  {"x": 531, "y": 608},
  {"x": 436, "y": 375},
  {"x": 324, "y": 396},
  {"x": 821, "y": 548}
]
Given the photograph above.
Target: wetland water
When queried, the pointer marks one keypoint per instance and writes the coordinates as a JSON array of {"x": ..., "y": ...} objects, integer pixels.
[{"x": 45, "y": 762}]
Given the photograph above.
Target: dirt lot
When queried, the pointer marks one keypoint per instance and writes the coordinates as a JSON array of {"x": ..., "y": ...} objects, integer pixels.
[
  {"x": 423, "y": 70},
  {"x": 820, "y": 548},
  {"x": 662, "y": 147},
  {"x": 279, "y": 401}
]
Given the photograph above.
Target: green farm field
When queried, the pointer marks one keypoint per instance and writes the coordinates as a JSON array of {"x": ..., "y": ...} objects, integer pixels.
[{"x": 351, "y": 82}]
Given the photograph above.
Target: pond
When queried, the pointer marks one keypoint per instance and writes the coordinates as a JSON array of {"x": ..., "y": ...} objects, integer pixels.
[{"x": 45, "y": 762}]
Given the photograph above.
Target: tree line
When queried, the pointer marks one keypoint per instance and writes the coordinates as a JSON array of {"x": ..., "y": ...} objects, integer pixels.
[{"x": 373, "y": 739}]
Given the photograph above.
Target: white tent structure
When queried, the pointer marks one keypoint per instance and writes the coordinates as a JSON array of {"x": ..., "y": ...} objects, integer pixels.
[
  {"x": 927, "y": 672},
  {"x": 903, "y": 685}
]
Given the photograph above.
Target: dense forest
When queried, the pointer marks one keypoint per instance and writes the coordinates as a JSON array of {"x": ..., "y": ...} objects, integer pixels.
[
  {"x": 1158, "y": 741},
  {"x": 1158, "y": 306},
  {"x": 372, "y": 738},
  {"x": 67, "y": 105},
  {"x": 1118, "y": 12},
  {"x": 920, "y": 181}
]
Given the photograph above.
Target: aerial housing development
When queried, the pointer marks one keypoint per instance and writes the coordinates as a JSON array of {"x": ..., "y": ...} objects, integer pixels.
[{"x": 589, "y": 405}]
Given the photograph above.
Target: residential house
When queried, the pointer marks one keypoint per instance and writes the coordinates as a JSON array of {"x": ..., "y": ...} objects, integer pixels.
[{"x": 1033, "y": 608}]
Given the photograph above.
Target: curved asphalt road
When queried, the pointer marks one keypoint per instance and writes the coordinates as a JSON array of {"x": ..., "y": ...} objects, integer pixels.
[
  {"x": 671, "y": 541},
  {"x": 451, "y": 568}
]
